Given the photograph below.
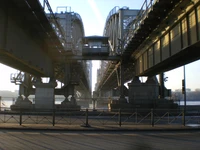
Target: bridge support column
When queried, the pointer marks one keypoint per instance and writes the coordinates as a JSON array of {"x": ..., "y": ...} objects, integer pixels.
[
  {"x": 122, "y": 98},
  {"x": 73, "y": 99},
  {"x": 132, "y": 90},
  {"x": 65, "y": 93},
  {"x": 69, "y": 90},
  {"x": 143, "y": 95},
  {"x": 146, "y": 95},
  {"x": 69, "y": 104},
  {"x": 44, "y": 94},
  {"x": 24, "y": 89}
]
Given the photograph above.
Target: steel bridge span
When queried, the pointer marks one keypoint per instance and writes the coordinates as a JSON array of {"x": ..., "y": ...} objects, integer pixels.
[
  {"x": 38, "y": 42},
  {"x": 159, "y": 37}
]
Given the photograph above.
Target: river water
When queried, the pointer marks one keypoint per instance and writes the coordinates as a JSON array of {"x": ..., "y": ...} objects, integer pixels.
[{"x": 6, "y": 103}]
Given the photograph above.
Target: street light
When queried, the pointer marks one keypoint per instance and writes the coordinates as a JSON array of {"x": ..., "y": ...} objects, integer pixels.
[{"x": 184, "y": 92}]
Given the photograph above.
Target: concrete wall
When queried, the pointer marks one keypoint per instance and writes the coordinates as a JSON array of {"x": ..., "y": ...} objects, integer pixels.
[{"x": 143, "y": 93}]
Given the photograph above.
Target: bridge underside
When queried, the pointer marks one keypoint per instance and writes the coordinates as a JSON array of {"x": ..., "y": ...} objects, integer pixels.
[
  {"x": 26, "y": 37},
  {"x": 113, "y": 79},
  {"x": 30, "y": 42},
  {"x": 185, "y": 56},
  {"x": 167, "y": 37},
  {"x": 15, "y": 62},
  {"x": 178, "y": 44}
]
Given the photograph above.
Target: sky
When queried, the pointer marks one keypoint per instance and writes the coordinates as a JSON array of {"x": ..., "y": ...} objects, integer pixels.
[{"x": 94, "y": 14}]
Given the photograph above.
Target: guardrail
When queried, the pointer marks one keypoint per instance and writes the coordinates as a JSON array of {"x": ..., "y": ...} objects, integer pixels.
[
  {"x": 135, "y": 25},
  {"x": 101, "y": 117}
]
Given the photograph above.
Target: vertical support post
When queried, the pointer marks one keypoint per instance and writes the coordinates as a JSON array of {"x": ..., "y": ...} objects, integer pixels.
[
  {"x": 181, "y": 28},
  {"x": 146, "y": 7},
  {"x": 4, "y": 118},
  {"x": 94, "y": 104},
  {"x": 170, "y": 44},
  {"x": 184, "y": 92},
  {"x": 168, "y": 117},
  {"x": 151, "y": 3},
  {"x": 188, "y": 30},
  {"x": 121, "y": 23},
  {"x": 121, "y": 80},
  {"x": 86, "y": 118},
  {"x": 120, "y": 119},
  {"x": 152, "y": 117},
  {"x": 136, "y": 116},
  {"x": 20, "y": 118},
  {"x": 197, "y": 24},
  {"x": 44, "y": 4},
  {"x": 122, "y": 98},
  {"x": 183, "y": 117},
  {"x": 118, "y": 75},
  {"x": 162, "y": 86},
  {"x": 0, "y": 103},
  {"x": 53, "y": 118}
]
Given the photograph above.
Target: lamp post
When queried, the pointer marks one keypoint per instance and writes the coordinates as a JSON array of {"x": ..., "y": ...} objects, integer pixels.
[{"x": 184, "y": 92}]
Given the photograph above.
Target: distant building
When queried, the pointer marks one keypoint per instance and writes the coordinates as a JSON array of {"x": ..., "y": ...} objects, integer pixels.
[
  {"x": 180, "y": 90},
  {"x": 101, "y": 71},
  {"x": 197, "y": 90},
  {"x": 190, "y": 95}
]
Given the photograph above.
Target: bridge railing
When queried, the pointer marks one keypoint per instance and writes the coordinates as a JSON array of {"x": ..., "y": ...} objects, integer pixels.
[
  {"x": 55, "y": 25},
  {"x": 111, "y": 13},
  {"x": 100, "y": 117},
  {"x": 135, "y": 25}
]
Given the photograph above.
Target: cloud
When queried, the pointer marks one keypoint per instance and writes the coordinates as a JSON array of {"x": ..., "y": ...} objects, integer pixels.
[{"x": 96, "y": 12}]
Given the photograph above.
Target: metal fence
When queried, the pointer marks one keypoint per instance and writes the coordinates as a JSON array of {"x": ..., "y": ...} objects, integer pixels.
[{"x": 101, "y": 117}]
